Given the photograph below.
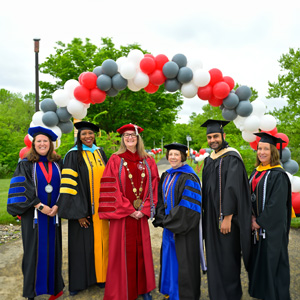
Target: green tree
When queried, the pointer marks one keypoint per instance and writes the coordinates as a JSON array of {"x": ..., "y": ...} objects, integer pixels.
[
  {"x": 287, "y": 86},
  {"x": 150, "y": 111}
]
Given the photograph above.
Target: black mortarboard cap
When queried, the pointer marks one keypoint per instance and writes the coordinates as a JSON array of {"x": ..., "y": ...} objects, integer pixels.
[
  {"x": 214, "y": 126},
  {"x": 270, "y": 139},
  {"x": 176, "y": 146},
  {"x": 86, "y": 125}
]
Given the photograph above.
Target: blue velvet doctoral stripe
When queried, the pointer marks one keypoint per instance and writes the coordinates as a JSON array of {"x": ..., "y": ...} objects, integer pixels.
[
  {"x": 193, "y": 184},
  {"x": 16, "y": 190},
  {"x": 46, "y": 234},
  {"x": 192, "y": 195},
  {"x": 17, "y": 179},
  {"x": 169, "y": 266},
  {"x": 18, "y": 199},
  {"x": 190, "y": 205},
  {"x": 170, "y": 196}
]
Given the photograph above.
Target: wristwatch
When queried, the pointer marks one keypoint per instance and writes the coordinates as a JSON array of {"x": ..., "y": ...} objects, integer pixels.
[{"x": 40, "y": 208}]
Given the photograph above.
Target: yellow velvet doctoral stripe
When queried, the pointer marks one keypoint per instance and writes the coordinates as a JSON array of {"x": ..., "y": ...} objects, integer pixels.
[
  {"x": 261, "y": 168},
  {"x": 95, "y": 165},
  {"x": 64, "y": 190},
  {"x": 68, "y": 181},
  {"x": 69, "y": 172}
]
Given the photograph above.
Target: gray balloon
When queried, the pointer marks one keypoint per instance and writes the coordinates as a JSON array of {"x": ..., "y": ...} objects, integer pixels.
[
  {"x": 286, "y": 155},
  {"x": 231, "y": 101},
  {"x": 170, "y": 69},
  {"x": 221, "y": 107},
  {"x": 180, "y": 60},
  {"x": 48, "y": 105},
  {"x": 112, "y": 92},
  {"x": 50, "y": 118},
  {"x": 98, "y": 71},
  {"x": 104, "y": 82},
  {"x": 109, "y": 67},
  {"x": 185, "y": 75},
  {"x": 65, "y": 127},
  {"x": 172, "y": 85},
  {"x": 118, "y": 82},
  {"x": 208, "y": 150},
  {"x": 229, "y": 114},
  {"x": 291, "y": 166},
  {"x": 63, "y": 114},
  {"x": 244, "y": 108},
  {"x": 243, "y": 92}
]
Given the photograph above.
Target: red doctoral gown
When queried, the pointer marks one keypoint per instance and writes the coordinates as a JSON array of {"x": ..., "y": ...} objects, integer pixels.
[{"x": 130, "y": 265}]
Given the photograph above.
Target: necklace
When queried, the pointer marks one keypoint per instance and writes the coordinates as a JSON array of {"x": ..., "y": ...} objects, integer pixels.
[{"x": 136, "y": 203}]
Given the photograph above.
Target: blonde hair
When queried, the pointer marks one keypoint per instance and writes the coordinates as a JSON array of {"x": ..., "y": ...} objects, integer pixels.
[
  {"x": 275, "y": 160},
  {"x": 140, "y": 148}
]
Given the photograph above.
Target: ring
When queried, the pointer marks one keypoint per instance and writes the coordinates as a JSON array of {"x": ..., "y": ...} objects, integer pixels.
[{"x": 83, "y": 223}]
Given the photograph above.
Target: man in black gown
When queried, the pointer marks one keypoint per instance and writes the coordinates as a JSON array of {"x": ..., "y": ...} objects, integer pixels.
[{"x": 227, "y": 215}]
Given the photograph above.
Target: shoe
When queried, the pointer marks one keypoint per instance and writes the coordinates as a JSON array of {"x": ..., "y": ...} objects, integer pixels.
[
  {"x": 73, "y": 293},
  {"x": 30, "y": 298},
  {"x": 147, "y": 296},
  {"x": 101, "y": 285}
]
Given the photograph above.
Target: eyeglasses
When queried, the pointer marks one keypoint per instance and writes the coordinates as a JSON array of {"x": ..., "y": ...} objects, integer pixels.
[{"x": 127, "y": 135}]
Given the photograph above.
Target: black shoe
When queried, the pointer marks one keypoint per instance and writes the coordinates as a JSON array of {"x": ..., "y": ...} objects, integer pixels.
[
  {"x": 73, "y": 293},
  {"x": 30, "y": 298},
  {"x": 101, "y": 285},
  {"x": 147, "y": 296}
]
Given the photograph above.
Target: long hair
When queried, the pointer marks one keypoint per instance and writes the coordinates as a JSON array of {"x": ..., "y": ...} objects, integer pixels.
[
  {"x": 140, "y": 148},
  {"x": 78, "y": 143},
  {"x": 33, "y": 156},
  {"x": 275, "y": 160}
]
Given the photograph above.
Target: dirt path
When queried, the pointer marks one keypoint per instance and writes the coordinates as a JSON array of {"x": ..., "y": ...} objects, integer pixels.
[{"x": 11, "y": 279}]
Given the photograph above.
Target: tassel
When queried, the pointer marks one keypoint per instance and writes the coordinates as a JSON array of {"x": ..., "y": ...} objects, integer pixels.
[{"x": 35, "y": 221}]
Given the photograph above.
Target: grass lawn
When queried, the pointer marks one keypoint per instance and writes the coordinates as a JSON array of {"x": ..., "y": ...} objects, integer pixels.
[{"x": 5, "y": 218}]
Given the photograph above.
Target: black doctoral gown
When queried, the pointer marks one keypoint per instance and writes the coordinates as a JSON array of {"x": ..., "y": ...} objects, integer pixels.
[
  {"x": 178, "y": 212},
  {"x": 223, "y": 252},
  {"x": 41, "y": 235},
  {"x": 269, "y": 274}
]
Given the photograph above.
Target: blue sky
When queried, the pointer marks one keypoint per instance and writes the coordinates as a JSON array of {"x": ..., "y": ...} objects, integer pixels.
[{"x": 242, "y": 39}]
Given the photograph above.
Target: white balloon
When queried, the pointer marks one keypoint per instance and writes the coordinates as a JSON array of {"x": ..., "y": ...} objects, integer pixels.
[
  {"x": 291, "y": 177},
  {"x": 70, "y": 86},
  {"x": 248, "y": 136},
  {"x": 61, "y": 97},
  {"x": 135, "y": 56},
  {"x": 141, "y": 80},
  {"x": 194, "y": 64},
  {"x": 251, "y": 123},
  {"x": 201, "y": 77},
  {"x": 259, "y": 108},
  {"x": 76, "y": 109},
  {"x": 56, "y": 130},
  {"x": 128, "y": 70},
  {"x": 239, "y": 122},
  {"x": 296, "y": 184},
  {"x": 120, "y": 61},
  {"x": 132, "y": 86},
  {"x": 267, "y": 123},
  {"x": 189, "y": 90},
  {"x": 37, "y": 118}
]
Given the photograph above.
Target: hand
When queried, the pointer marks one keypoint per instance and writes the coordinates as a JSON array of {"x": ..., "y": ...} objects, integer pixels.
[
  {"x": 226, "y": 225},
  {"x": 53, "y": 211},
  {"x": 134, "y": 215},
  {"x": 46, "y": 209},
  {"x": 84, "y": 222},
  {"x": 139, "y": 214},
  {"x": 254, "y": 225}
]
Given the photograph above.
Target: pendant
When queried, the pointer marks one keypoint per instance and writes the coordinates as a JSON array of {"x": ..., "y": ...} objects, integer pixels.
[
  {"x": 143, "y": 174},
  {"x": 48, "y": 188},
  {"x": 125, "y": 163},
  {"x": 137, "y": 203}
]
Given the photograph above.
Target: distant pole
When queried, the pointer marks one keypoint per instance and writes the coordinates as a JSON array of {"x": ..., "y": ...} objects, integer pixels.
[{"x": 36, "y": 50}]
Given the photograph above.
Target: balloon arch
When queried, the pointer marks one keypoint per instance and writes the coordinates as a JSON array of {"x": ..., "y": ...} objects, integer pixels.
[{"x": 144, "y": 71}]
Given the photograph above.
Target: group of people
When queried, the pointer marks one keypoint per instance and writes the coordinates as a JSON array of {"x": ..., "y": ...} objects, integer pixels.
[{"x": 108, "y": 204}]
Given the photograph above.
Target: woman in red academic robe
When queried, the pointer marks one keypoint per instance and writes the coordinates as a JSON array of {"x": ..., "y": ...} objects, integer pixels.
[{"x": 128, "y": 197}]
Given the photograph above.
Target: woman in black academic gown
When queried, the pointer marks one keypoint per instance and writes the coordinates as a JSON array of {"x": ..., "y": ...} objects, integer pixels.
[
  {"x": 269, "y": 274},
  {"x": 33, "y": 194}
]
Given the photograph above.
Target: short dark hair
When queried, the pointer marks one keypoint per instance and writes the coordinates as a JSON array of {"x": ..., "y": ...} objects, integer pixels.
[{"x": 183, "y": 155}]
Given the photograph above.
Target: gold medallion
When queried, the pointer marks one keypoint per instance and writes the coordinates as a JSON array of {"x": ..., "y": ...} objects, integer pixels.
[
  {"x": 130, "y": 176},
  {"x": 143, "y": 174},
  {"x": 137, "y": 203},
  {"x": 125, "y": 163},
  {"x": 134, "y": 190}
]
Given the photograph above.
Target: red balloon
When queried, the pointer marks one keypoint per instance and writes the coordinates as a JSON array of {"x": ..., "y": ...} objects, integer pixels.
[
  {"x": 296, "y": 202},
  {"x": 23, "y": 151},
  {"x": 215, "y": 76},
  {"x": 194, "y": 152},
  {"x": 273, "y": 131},
  {"x": 221, "y": 90},
  {"x": 284, "y": 138},
  {"x": 197, "y": 154},
  {"x": 27, "y": 141},
  {"x": 97, "y": 96},
  {"x": 147, "y": 65},
  {"x": 202, "y": 151},
  {"x": 253, "y": 145},
  {"x": 160, "y": 60},
  {"x": 229, "y": 81},
  {"x": 82, "y": 94},
  {"x": 80, "y": 77},
  {"x": 213, "y": 101},
  {"x": 157, "y": 77},
  {"x": 88, "y": 80},
  {"x": 205, "y": 92},
  {"x": 151, "y": 88},
  {"x": 149, "y": 55}
]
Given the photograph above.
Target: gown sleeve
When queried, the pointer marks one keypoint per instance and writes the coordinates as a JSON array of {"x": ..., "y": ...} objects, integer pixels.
[
  {"x": 186, "y": 215},
  {"x": 72, "y": 203},
  {"x": 22, "y": 194}
]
